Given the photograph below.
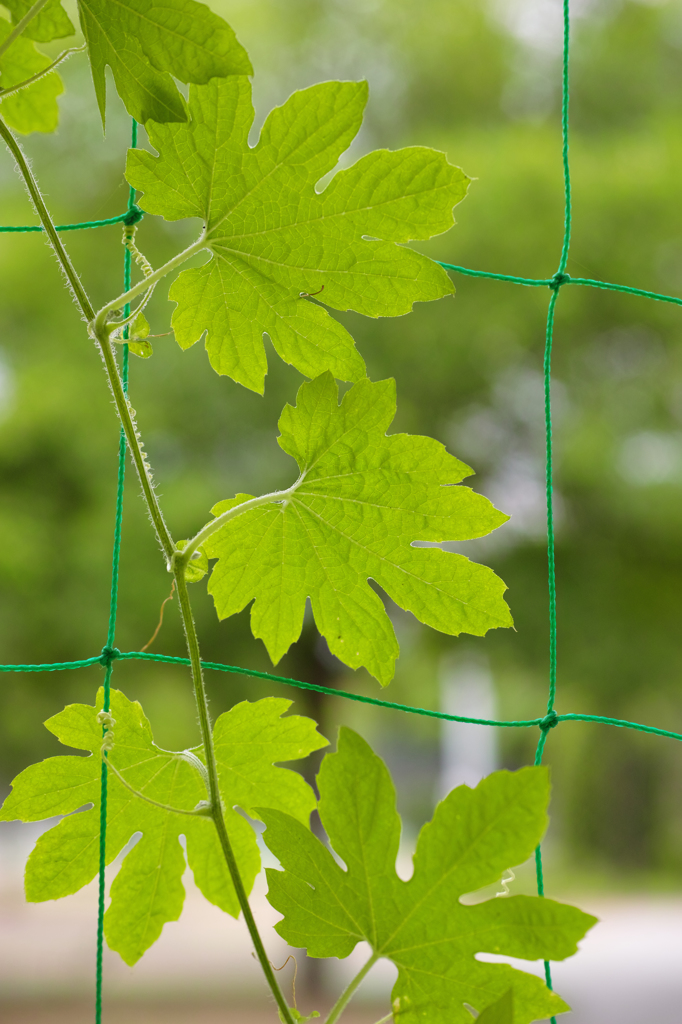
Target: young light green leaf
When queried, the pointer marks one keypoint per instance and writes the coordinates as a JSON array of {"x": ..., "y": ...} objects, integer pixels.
[
  {"x": 137, "y": 342},
  {"x": 142, "y": 349},
  {"x": 148, "y": 891},
  {"x": 33, "y": 109},
  {"x": 362, "y": 499},
  {"x": 145, "y": 42},
  {"x": 275, "y": 240},
  {"x": 52, "y": 22},
  {"x": 421, "y": 925},
  {"x": 139, "y": 328}
]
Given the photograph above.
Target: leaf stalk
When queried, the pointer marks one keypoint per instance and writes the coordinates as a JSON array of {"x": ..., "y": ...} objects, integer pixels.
[
  {"x": 101, "y": 319},
  {"x": 118, "y": 324},
  {"x": 231, "y": 513},
  {"x": 64, "y": 55},
  {"x": 350, "y": 990}
]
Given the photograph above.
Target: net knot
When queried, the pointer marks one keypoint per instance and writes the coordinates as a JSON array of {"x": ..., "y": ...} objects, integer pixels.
[
  {"x": 558, "y": 280},
  {"x": 549, "y": 721},
  {"x": 108, "y": 655},
  {"x": 133, "y": 215}
]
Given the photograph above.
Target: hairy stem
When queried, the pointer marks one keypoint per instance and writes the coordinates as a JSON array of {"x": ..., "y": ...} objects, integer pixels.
[
  {"x": 213, "y": 786},
  {"x": 125, "y": 297},
  {"x": 345, "y": 997},
  {"x": 126, "y": 414},
  {"x": 79, "y": 292},
  {"x": 4, "y": 93},
  {"x": 123, "y": 406},
  {"x": 21, "y": 25},
  {"x": 232, "y": 513}
]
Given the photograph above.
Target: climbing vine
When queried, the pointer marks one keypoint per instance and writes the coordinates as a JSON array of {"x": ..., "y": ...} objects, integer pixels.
[{"x": 280, "y": 253}]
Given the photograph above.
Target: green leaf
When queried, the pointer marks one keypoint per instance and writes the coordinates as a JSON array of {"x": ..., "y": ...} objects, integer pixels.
[
  {"x": 499, "y": 1012},
  {"x": 52, "y": 22},
  {"x": 147, "y": 892},
  {"x": 361, "y": 500},
  {"x": 142, "y": 349},
  {"x": 274, "y": 239},
  {"x": 139, "y": 328},
  {"x": 421, "y": 925},
  {"x": 33, "y": 109},
  {"x": 137, "y": 341},
  {"x": 145, "y": 42}
]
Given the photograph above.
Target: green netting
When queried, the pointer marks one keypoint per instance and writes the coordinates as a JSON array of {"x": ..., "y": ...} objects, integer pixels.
[
  {"x": 132, "y": 214},
  {"x": 110, "y": 654},
  {"x": 551, "y": 719}
]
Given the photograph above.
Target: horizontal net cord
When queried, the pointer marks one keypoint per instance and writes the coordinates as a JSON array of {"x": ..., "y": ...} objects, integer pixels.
[
  {"x": 135, "y": 214},
  {"x": 57, "y": 666},
  {"x": 559, "y": 280},
  {"x": 548, "y": 722},
  {"x": 530, "y": 281},
  {"x": 620, "y": 724},
  {"x": 131, "y": 216},
  {"x": 329, "y": 690}
]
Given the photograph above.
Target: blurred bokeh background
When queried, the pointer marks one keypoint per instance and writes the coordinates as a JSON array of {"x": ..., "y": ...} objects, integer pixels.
[{"x": 481, "y": 81}]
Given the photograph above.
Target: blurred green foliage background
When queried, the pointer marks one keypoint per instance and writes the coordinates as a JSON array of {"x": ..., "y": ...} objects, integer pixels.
[{"x": 480, "y": 81}]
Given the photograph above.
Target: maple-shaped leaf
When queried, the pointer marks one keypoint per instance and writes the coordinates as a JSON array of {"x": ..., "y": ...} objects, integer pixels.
[
  {"x": 275, "y": 240},
  {"x": 33, "y": 109},
  {"x": 147, "y": 891},
  {"x": 421, "y": 925},
  {"x": 361, "y": 500},
  {"x": 146, "y": 43}
]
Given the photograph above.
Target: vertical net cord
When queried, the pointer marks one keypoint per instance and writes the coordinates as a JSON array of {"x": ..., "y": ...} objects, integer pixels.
[
  {"x": 557, "y": 281},
  {"x": 113, "y": 603}
]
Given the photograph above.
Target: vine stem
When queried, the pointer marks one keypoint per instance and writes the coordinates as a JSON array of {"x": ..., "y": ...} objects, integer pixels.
[
  {"x": 126, "y": 415},
  {"x": 21, "y": 25},
  {"x": 345, "y": 997},
  {"x": 214, "y": 789},
  {"x": 64, "y": 55}
]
